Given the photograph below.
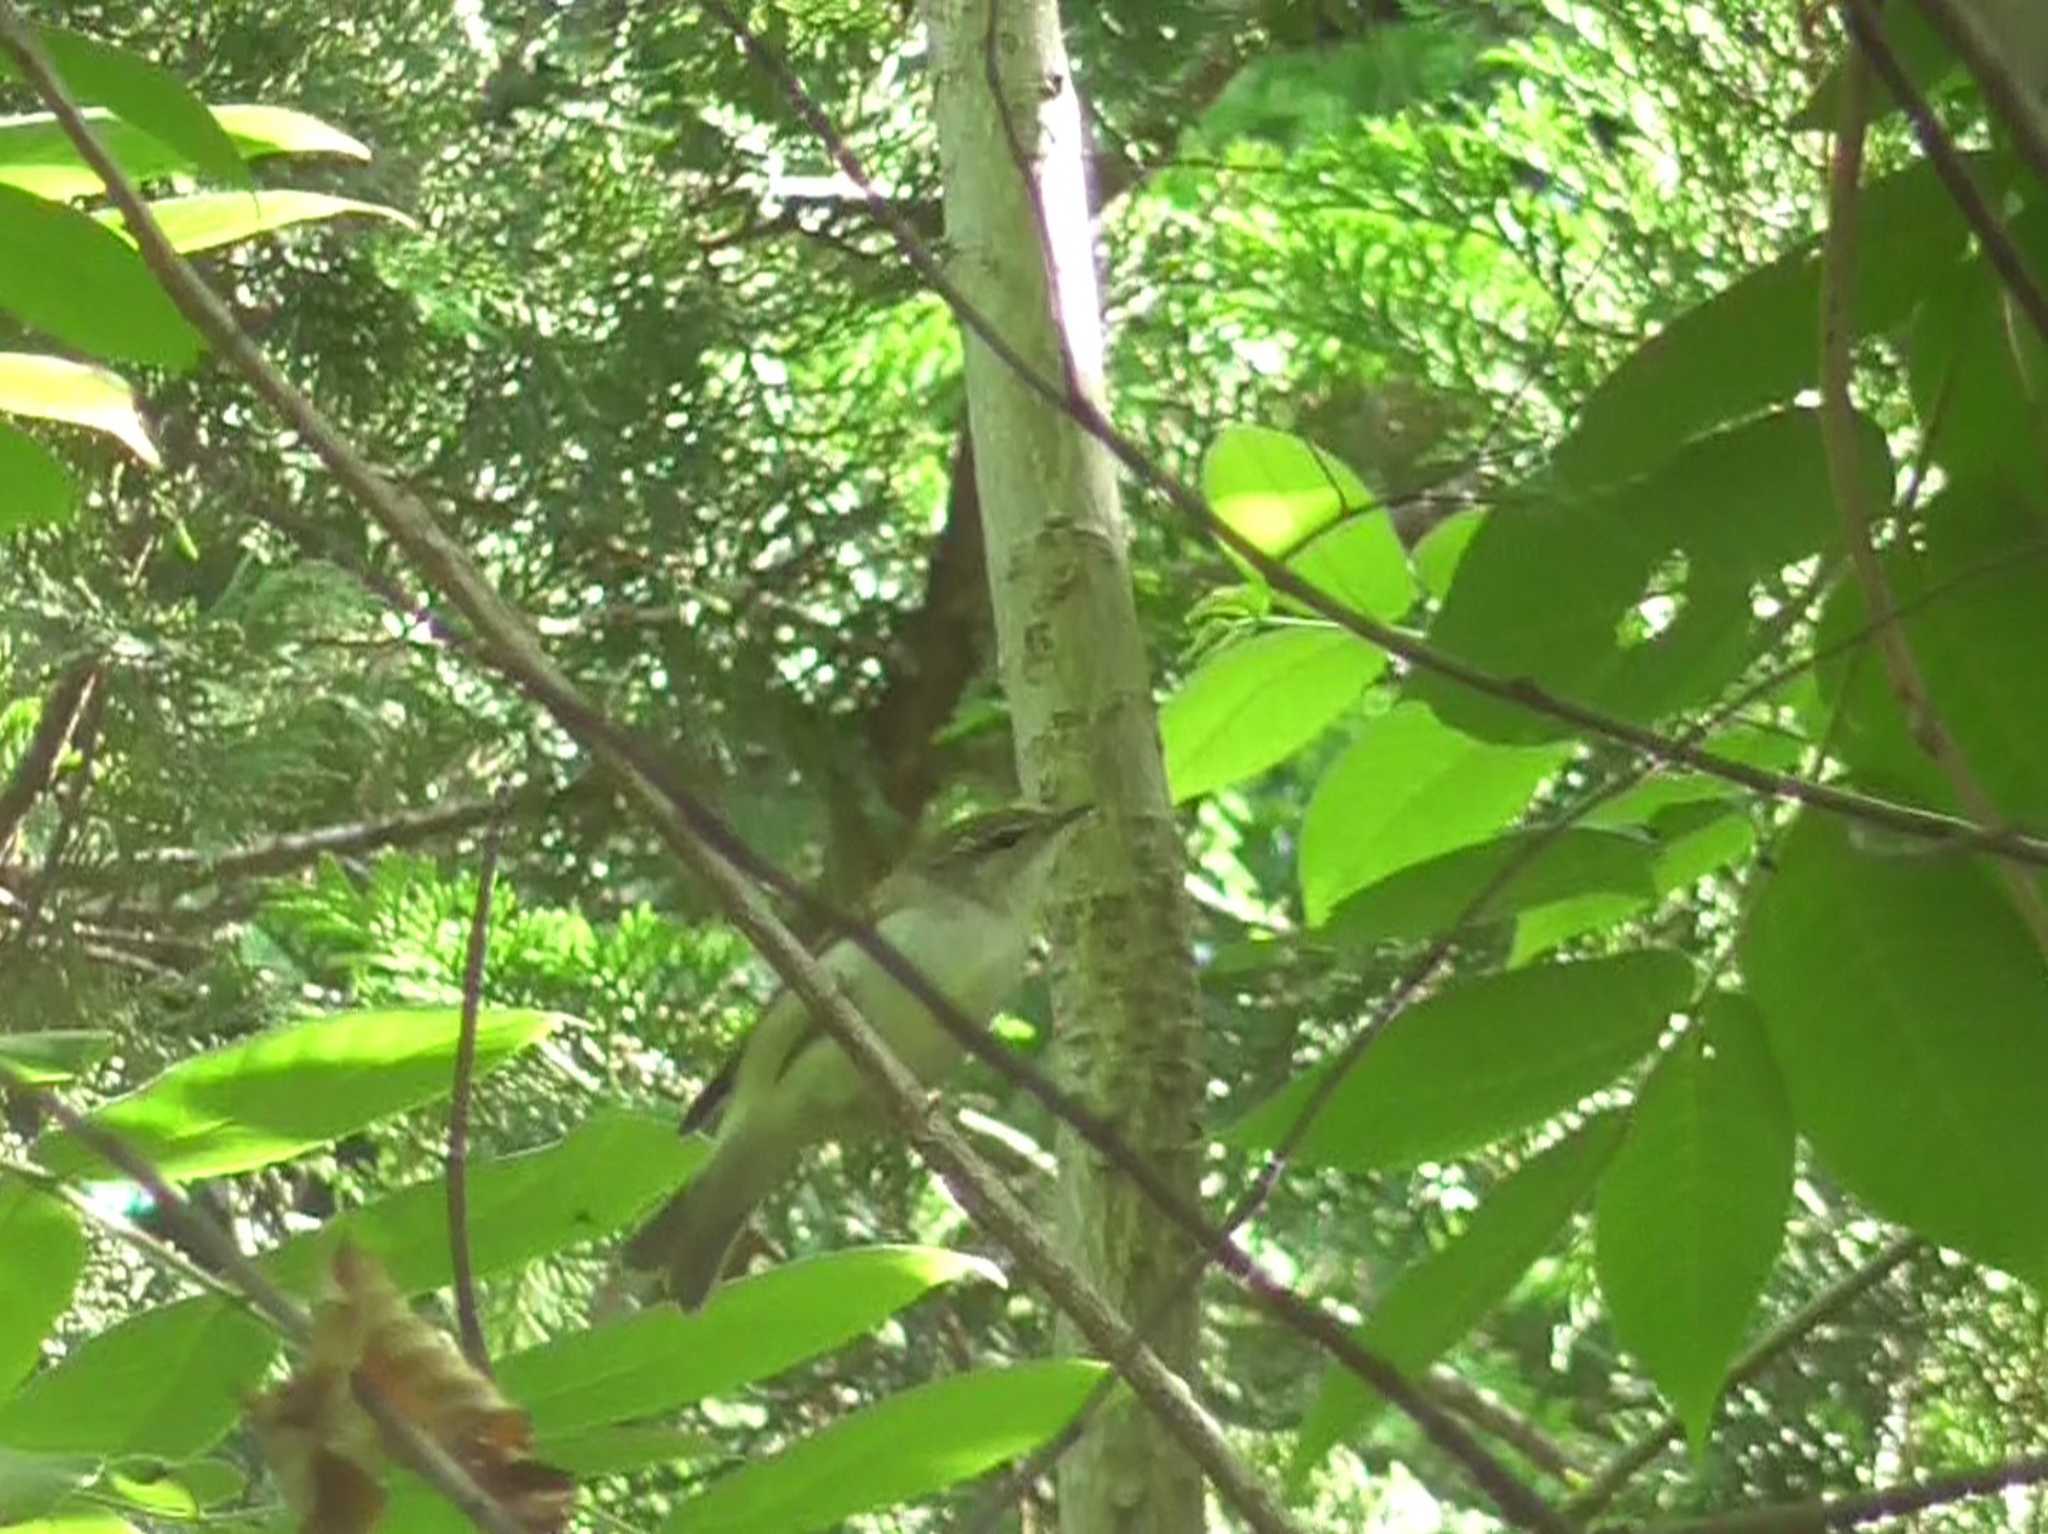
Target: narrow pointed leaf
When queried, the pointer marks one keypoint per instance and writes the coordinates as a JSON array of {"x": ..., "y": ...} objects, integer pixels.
[
  {"x": 1481, "y": 1060},
  {"x": 250, "y": 1104},
  {"x": 661, "y": 1359},
  {"x": 79, "y": 395},
  {"x": 1692, "y": 1212},
  {"x": 36, "y": 156},
  {"x": 68, "y": 275},
  {"x": 206, "y": 220},
  {"x": 1440, "y": 1299},
  {"x": 909, "y": 1446}
]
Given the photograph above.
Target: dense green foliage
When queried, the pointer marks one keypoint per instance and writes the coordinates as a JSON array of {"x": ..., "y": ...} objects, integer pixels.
[{"x": 1647, "y": 996}]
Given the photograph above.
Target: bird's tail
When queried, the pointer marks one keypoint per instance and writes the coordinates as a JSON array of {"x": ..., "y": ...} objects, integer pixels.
[{"x": 688, "y": 1240}]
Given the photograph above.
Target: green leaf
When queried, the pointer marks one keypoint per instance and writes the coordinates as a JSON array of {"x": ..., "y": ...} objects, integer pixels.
[
  {"x": 52, "y": 1055},
  {"x": 1752, "y": 346},
  {"x": 75, "y": 1520},
  {"x": 1442, "y": 550},
  {"x": 206, "y": 220},
  {"x": 170, "y": 1382},
  {"x": 1408, "y": 789},
  {"x": 36, "y": 156},
  {"x": 1437, "y": 895},
  {"x": 660, "y": 1359},
  {"x": 1480, "y": 1060},
  {"x": 1777, "y": 750},
  {"x": 1275, "y": 489},
  {"x": 1977, "y": 627},
  {"x": 1258, "y": 702},
  {"x": 633, "y": 1446},
  {"x": 1692, "y": 1212},
  {"x": 906, "y": 1447},
  {"x": 1441, "y": 1298},
  {"x": 142, "y": 94},
  {"x": 1565, "y": 591},
  {"x": 285, "y": 1091},
  {"x": 78, "y": 394},
  {"x": 36, "y": 490},
  {"x": 42, "y": 1254},
  {"x": 1361, "y": 564},
  {"x": 611, "y": 1167},
  {"x": 64, "y": 273},
  {"x": 1906, "y": 1005}
]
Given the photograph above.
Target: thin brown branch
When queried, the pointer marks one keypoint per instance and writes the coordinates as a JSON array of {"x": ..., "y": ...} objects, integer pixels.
[
  {"x": 1839, "y": 438},
  {"x": 1999, "y": 250},
  {"x": 36, "y": 769},
  {"x": 1823, "y": 1513},
  {"x": 469, "y": 1325}
]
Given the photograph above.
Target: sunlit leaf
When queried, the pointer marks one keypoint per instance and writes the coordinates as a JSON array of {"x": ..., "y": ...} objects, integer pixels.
[
  {"x": 905, "y": 1447},
  {"x": 264, "y": 1100},
  {"x": 1253, "y": 705},
  {"x": 205, "y": 220},
  {"x": 64, "y": 273},
  {"x": 1692, "y": 1211},
  {"x": 1277, "y": 490},
  {"x": 42, "y": 1254},
  {"x": 77, "y": 393}
]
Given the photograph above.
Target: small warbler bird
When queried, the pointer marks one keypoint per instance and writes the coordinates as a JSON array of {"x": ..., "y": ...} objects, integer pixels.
[{"x": 962, "y": 912}]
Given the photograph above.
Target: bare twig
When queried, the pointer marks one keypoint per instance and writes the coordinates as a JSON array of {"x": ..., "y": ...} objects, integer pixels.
[
  {"x": 469, "y": 1325},
  {"x": 1852, "y": 496},
  {"x": 36, "y": 768},
  {"x": 1823, "y": 1513}
]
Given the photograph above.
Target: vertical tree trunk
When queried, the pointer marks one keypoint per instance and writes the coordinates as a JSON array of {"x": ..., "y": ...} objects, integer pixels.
[{"x": 1074, "y": 670}]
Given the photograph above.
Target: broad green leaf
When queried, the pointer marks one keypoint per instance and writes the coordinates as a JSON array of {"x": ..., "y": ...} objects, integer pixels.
[
  {"x": 1441, "y": 1298},
  {"x": 32, "y": 1484},
  {"x": 1480, "y": 1060},
  {"x": 1692, "y": 1212},
  {"x": 142, "y": 94},
  {"x": 1361, "y": 564},
  {"x": 909, "y": 1446},
  {"x": 64, "y": 273},
  {"x": 661, "y": 1359},
  {"x": 1752, "y": 346},
  {"x": 1442, "y": 550},
  {"x": 1409, "y": 788},
  {"x": 1537, "y": 867},
  {"x": 250, "y": 1104},
  {"x": 1275, "y": 489},
  {"x": 610, "y": 1168},
  {"x": 206, "y": 220},
  {"x": 42, "y": 1254},
  {"x": 52, "y": 1055},
  {"x": 36, "y": 156},
  {"x": 1637, "y": 599},
  {"x": 1977, "y": 627},
  {"x": 36, "y": 490},
  {"x": 76, "y": 393},
  {"x": 1258, "y": 702},
  {"x": 1908, "y": 1010},
  {"x": 170, "y": 1382}
]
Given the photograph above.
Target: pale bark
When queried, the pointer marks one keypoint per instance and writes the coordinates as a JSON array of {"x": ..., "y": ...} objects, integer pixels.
[{"x": 1074, "y": 671}]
